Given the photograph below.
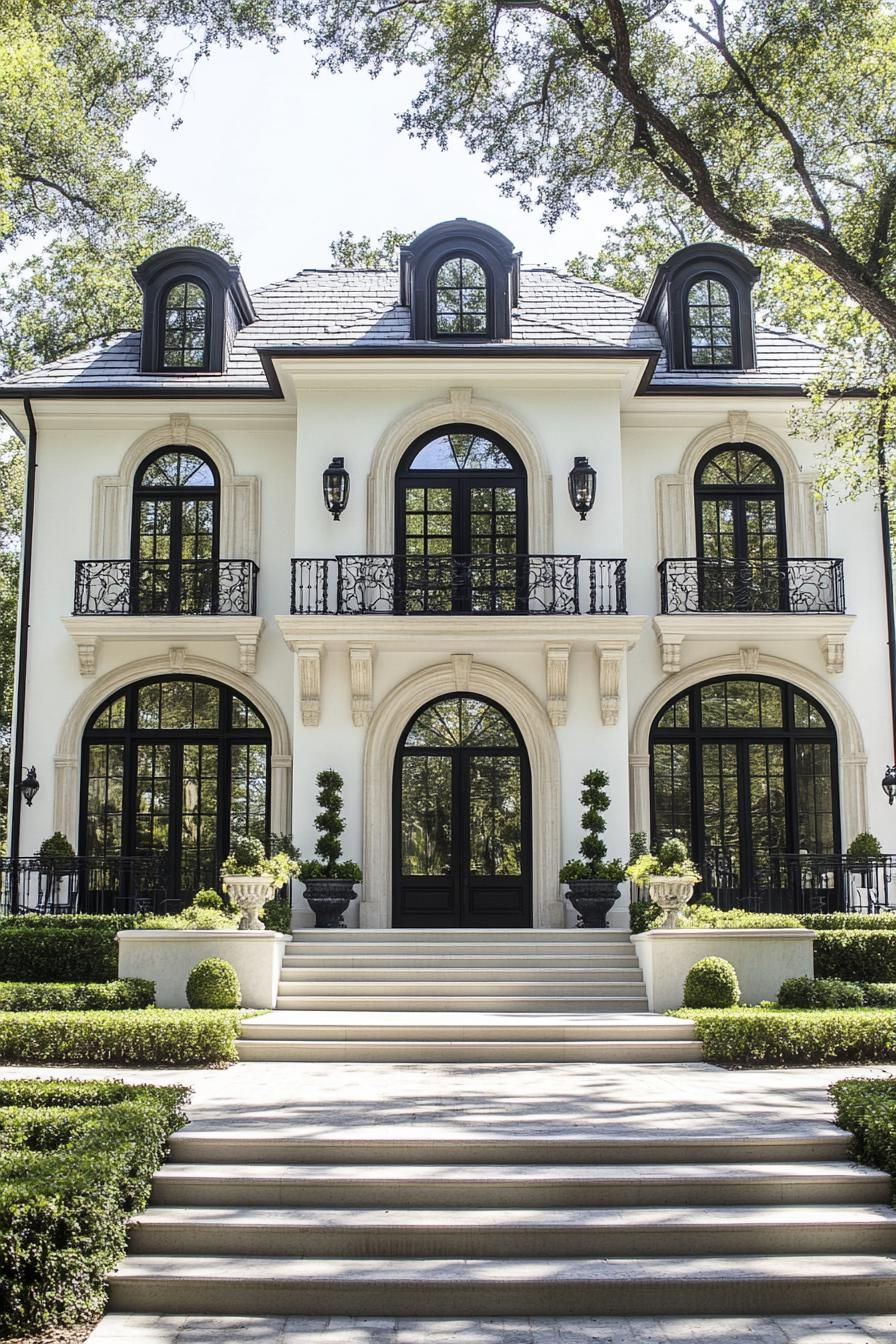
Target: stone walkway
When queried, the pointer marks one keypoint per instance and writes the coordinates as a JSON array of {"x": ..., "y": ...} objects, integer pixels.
[{"x": 442, "y": 1100}]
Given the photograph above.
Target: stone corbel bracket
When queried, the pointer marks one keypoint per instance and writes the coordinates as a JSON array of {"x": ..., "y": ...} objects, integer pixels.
[
  {"x": 610, "y": 656},
  {"x": 169, "y": 633},
  {"x": 308, "y": 661},
  {"x": 556, "y": 673},
  {"x": 361, "y": 666}
]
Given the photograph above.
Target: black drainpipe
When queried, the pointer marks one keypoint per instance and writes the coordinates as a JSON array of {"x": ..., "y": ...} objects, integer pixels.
[{"x": 16, "y": 772}]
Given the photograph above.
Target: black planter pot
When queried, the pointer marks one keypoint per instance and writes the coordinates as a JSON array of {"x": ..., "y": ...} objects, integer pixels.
[
  {"x": 329, "y": 898},
  {"x": 592, "y": 898}
]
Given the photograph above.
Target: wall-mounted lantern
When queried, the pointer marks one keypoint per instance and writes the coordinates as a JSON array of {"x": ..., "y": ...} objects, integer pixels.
[
  {"x": 336, "y": 487},
  {"x": 582, "y": 483},
  {"x": 29, "y": 786},
  {"x": 888, "y": 783}
]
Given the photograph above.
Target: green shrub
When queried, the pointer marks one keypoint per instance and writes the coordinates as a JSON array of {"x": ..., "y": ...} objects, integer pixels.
[
  {"x": 58, "y": 846},
  {"x": 878, "y": 995},
  {"x": 193, "y": 917},
  {"x": 644, "y": 915},
  {"x": 76, "y": 1160},
  {"x": 213, "y": 983},
  {"x": 861, "y": 955},
  {"x": 804, "y": 992},
  {"x": 139, "y": 1036},
  {"x": 706, "y": 917},
  {"x": 111, "y": 995},
  {"x": 46, "y": 953},
  {"x": 845, "y": 921},
  {"x": 864, "y": 846},
  {"x": 867, "y": 1107},
  {"x": 760, "y": 1036},
  {"x": 711, "y": 983},
  {"x": 207, "y": 899},
  {"x": 277, "y": 914}
]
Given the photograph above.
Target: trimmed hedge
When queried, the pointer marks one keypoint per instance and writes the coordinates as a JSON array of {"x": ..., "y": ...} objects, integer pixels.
[
  {"x": 754, "y": 1037},
  {"x": 711, "y": 983},
  {"x": 76, "y": 1160},
  {"x": 111, "y": 995},
  {"x": 801, "y": 991},
  {"x": 879, "y": 995},
  {"x": 842, "y": 921},
  {"x": 213, "y": 983},
  {"x": 867, "y": 1107},
  {"x": 140, "y": 1036},
  {"x": 42, "y": 954},
  {"x": 863, "y": 955}
]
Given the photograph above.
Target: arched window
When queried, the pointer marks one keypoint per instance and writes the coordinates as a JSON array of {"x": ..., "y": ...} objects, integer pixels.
[
  {"x": 741, "y": 543},
  {"x": 710, "y": 325},
  {"x": 184, "y": 333},
  {"x": 462, "y": 299},
  {"x": 171, "y": 769},
  {"x": 744, "y": 770},
  {"x": 462, "y": 831},
  {"x": 461, "y": 521},
  {"x": 175, "y": 530}
]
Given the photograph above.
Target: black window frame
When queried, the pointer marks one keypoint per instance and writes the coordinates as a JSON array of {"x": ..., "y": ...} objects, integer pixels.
[
  {"x": 173, "y": 284},
  {"x": 712, "y": 277},
  {"x": 463, "y": 255},
  {"x": 175, "y": 494}
]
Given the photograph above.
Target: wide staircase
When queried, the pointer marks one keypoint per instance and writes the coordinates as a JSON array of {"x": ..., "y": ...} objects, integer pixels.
[
  {"x": 464, "y": 995},
  {"x": 401, "y": 1224}
]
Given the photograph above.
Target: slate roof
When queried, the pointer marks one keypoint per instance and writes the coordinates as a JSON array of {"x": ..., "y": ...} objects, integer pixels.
[{"x": 355, "y": 309}]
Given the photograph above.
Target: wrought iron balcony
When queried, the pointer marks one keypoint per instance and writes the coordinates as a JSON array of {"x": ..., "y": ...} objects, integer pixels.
[
  {"x": 84, "y": 886},
  {"x": 445, "y": 585},
  {"x": 165, "y": 587},
  {"x": 803, "y": 884},
  {"x": 801, "y": 586}
]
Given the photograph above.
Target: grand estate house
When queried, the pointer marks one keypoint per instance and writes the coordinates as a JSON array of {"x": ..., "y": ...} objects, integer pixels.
[{"x": 463, "y": 532}]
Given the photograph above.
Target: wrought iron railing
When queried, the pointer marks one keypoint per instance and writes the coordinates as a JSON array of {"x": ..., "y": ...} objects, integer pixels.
[
  {"x": 802, "y": 884},
  {"x": 474, "y": 585},
  {"x": 84, "y": 886},
  {"x": 165, "y": 587},
  {"x": 802, "y": 586}
]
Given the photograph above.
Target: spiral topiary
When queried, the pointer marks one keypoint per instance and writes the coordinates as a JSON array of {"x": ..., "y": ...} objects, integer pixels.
[
  {"x": 593, "y": 849},
  {"x": 329, "y": 826},
  {"x": 213, "y": 983},
  {"x": 711, "y": 983}
]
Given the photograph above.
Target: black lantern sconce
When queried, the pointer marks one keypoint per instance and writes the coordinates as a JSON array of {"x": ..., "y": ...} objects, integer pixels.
[
  {"x": 336, "y": 487},
  {"x": 582, "y": 482},
  {"x": 888, "y": 784},
  {"x": 29, "y": 786}
]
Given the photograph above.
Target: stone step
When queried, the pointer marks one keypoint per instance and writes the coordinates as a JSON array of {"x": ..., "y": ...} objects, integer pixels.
[
  {"x": 322, "y": 1025},
  {"x": 404, "y": 1143},
  {"x": 451, "y": 1003},
  {"x": 468, "y": 1052},
  {"x": 450, "y": 985},
  {"x": 478, "y": 958},
  {"x": 461, "y": 935},
  {"x": 516, "y": 1185},
  {"x": 361, "y": 969},
  {"x": 683, "y": 1285},
  {"x": 505, "y": 1233}
]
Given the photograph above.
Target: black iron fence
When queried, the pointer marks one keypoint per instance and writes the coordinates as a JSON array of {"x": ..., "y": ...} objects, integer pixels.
[
  {"x": 84, "y": 886},
  {"x": 165, "y": 587},
  {"x": 474, "y": 585},
  {"x": 803, "y": 884},
  {"x": 802, "y": 586}
]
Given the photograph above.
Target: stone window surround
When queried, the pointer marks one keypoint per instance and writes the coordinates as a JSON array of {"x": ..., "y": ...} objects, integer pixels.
[
  {"x": 852, "y": 757},
  {"x": 805, "y": 521},
  {"x": 111, "y": 514},
  {"x": 67, "y": 760}
]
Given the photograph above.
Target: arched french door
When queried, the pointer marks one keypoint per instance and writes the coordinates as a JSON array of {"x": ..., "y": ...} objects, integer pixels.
[
  {"x": 461, "y": 524},
  {"x": 175, "y": 534},
  {"x": 741, "y": 537},
  {"x": 462, "y": 837},
  {"x": 744, "y": 770},
  {"x": 171, "y": 769}
]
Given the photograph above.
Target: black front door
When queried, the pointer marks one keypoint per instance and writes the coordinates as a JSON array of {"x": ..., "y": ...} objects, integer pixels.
[{"x": 462, "y": 836}]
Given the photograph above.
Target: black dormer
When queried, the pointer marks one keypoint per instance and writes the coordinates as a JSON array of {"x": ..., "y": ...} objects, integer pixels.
[
  {"x": 701, "y": 303},
  {"x": 194, "y": 303},
  {"x": 460, "y": 280}
]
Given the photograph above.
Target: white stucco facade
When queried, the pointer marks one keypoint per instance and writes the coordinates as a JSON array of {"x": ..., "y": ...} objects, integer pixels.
[{"x": 337, "y": 690}]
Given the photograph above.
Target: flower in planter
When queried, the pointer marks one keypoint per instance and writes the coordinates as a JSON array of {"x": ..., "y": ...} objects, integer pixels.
[{"x": 671, "y": 860}]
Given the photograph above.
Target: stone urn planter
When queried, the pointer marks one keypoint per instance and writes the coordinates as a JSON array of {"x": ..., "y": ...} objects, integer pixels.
[
  {"x": 249, "y": 895},
  {"x": 592, "y": 898},
  {"x": 329, "y": 898},
  {"x": 671, "y": 894}
]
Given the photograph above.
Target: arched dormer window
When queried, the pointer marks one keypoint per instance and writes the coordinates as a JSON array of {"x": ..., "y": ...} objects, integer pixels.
[
  {"x": 194, "y": 303},
  {"x": 700, "y": 302},
  {"x": 185, "y": 326},
  {"x": 710, "y": 324},
  {"x": 460, "y": 280},
  {"x": 461, "y": 299}
]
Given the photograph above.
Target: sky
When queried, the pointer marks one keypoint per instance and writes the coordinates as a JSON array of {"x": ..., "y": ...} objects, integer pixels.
[{"x": 285, "y": 162}]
